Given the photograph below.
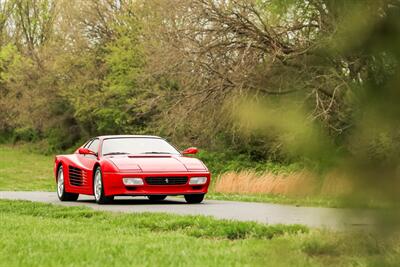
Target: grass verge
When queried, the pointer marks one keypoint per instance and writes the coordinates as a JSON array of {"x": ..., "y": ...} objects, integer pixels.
[
  {"x": 38, "y": 234},
  {"x": 281, "y": 199}
]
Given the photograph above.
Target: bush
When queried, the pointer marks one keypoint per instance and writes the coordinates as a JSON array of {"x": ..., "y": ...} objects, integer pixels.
[
  {"x": 25, "y": 134},
  {"x": 221, "y": 162},
  {"x": 5, "y": 137}
]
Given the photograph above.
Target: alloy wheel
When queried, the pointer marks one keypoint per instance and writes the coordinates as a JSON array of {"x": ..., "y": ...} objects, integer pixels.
[
  {"x": 97, "y": 185},
  {"x": 60, "y": 182}
]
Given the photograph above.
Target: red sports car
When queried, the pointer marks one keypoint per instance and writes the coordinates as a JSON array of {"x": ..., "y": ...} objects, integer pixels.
[{"x": 130, "y": 165}]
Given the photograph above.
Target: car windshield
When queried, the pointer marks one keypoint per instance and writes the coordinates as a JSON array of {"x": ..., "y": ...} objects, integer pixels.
[{"x": 137, "y": 145}]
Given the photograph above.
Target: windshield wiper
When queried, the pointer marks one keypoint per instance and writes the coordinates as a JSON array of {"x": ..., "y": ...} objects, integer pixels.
[
  {"x": 155, "y": 152},
  {"x": 115, "y": 153}
]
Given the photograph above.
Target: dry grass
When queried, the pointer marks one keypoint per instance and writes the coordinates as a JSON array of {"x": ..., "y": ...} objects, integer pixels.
[{"x": 302, "y": 183}]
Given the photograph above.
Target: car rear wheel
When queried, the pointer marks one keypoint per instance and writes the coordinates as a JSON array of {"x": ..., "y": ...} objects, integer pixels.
[
  {"x": 98, "y": 189},
  {"x": 157, "y": 197},
  {"x": 62, "y": 195},
  {"x": 193, "y": 199}
]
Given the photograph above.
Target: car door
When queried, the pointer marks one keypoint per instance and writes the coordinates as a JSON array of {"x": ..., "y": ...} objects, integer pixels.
[{"x": 88, "y": 162}]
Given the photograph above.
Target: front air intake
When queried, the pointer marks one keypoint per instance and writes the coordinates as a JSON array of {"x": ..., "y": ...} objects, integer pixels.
[{"x": 166, "y": 180}]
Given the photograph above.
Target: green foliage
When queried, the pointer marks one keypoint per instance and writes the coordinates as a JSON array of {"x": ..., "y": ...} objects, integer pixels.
[
  {"x": 220, "y": 162},
  {"x": 118, "y": 97},
  {"x": 25, "y": 134},
  {"x": 9, "y": 59},
  {"x": 5, "y": 137},
  {"x": 9, "y": 56}
]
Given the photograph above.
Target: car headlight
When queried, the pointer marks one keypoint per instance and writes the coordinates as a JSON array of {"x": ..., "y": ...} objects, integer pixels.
[
  {"x": 132, "y": 181},
  {"x": 198, "y": 180}
]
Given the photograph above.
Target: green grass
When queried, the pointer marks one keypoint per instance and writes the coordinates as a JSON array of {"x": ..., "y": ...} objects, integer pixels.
[
  {"x": 36, "y": 234},
  {"x": 313, "y": 201},
  {"x": 21, "y": 169}
]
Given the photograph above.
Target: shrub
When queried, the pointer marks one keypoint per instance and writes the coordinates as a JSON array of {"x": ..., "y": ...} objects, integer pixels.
[{"x": 25, "y": 134}]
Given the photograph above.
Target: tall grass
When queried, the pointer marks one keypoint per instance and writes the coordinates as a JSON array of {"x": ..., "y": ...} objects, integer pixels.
[{"x": 302, "y": 183}]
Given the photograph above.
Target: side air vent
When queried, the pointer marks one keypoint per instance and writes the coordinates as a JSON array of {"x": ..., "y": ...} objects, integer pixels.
[{"x": 77, "y": 177}]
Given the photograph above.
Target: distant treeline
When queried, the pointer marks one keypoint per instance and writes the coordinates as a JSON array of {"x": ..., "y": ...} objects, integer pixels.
[{"x": 185, "y": 69}]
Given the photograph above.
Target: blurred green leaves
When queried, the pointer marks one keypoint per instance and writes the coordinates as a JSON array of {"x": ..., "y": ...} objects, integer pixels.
[
  {"x": 283, "y": 118},
  {"x": 363, "y": 53}
]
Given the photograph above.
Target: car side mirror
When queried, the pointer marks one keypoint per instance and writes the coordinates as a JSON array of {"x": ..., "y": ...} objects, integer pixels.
[
  {"x": 85, "y": 151},
  {"x": 190, "y": 150}
]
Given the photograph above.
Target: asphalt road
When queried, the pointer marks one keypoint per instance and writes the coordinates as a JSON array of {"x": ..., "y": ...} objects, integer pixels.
[{"x": 243, "y": 211}]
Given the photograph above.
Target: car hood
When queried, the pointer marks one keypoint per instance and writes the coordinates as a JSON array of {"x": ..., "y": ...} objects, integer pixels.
[{"x": 157, "y": 163}]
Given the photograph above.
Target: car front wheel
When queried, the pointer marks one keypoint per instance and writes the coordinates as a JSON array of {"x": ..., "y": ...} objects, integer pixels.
[
  {"x": 193, "y": 199},
  {"x": 98, "y": 189},
  {"x": 62, "y": 195}
]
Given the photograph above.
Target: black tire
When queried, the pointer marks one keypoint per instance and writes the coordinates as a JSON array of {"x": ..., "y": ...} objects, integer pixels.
[
  {"x": 99, "y": 195},
  {"x": 61, "y": 193},
  {"x": 194, "y": 199},
  {"x": 157, "y": 197}
]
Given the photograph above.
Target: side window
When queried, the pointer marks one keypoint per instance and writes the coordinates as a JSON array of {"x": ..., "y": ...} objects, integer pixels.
[
  {"x": 94, "y": 146},
  {"x": 88, "y": 143}
]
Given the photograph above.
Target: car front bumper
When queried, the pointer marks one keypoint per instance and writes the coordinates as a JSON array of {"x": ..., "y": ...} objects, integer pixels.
[{"x": 114, "y": 186}]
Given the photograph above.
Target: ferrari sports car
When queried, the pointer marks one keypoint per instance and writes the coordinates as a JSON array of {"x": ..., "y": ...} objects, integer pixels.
[{"x": 130, "y": 165}]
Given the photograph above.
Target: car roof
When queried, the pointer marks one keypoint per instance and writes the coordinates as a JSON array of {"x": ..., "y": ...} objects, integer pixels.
[{"x": 127, "y": 136}]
